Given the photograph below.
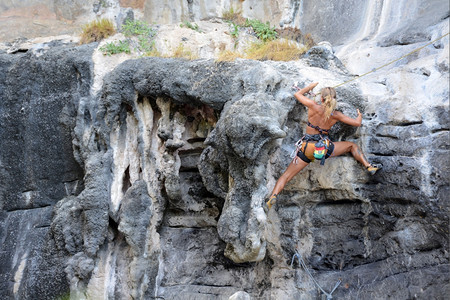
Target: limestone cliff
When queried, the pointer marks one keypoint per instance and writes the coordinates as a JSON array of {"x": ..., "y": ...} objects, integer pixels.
[{"x": 146, "y": 180}]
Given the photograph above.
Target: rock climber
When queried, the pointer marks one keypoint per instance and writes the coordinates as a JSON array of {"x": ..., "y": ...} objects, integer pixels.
[{"x": 316, "y": 144}]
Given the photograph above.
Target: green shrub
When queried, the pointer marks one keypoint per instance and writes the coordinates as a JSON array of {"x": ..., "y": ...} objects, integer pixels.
[
  {"x": 234, "y": 30},
  {"x": 115, "y": 48},
  {"x": 139, "y": 38},
  {"x": 145, "y": 45},
  {"x": 97, "y": 30},
  {"x": 137, "y": 28},
  {"x": 262, "y": 30},
  {"x": 190, "y": 25},
  {"x": 144, "y": 33}
]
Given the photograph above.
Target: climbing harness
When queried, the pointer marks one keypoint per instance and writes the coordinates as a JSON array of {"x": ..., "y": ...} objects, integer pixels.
[
  {"x": 303, "y": 264},
  {"x": 298, "y": 147},
  {"x": 322, "y": 148}
]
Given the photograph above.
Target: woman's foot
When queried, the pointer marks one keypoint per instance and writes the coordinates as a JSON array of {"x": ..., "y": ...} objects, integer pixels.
[
  {"x": 272, "y": 200},
  {"x": 373, "y": 169}
]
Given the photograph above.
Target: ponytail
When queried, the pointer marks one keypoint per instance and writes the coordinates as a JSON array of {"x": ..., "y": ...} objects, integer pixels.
[{"x": 329, "y": 101}]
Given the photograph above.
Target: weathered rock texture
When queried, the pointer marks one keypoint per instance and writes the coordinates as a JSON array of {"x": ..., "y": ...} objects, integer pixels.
[
  {"x": 149, "y": 184},
  {"x": 39, "y": 102},
  {"x": 339, "y": 22}
]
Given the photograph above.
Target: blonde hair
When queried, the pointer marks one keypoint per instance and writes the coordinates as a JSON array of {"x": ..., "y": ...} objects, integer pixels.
[{"x": 329, "y": 101}]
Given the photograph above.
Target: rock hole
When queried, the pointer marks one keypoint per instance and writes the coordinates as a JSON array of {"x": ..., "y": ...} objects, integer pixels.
[
  {"x": 114, "y": 227},
  {"x": 126, "y": 180},
  {"x": 196, "y": 140},
  {"x": 87, "y": 116},
  {"x": 403, "y": 124}
]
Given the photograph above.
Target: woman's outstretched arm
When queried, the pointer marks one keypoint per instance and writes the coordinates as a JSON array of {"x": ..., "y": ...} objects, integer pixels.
[
  {"x": 303, "y": 99},
  {"x": 347, "y": 120}
]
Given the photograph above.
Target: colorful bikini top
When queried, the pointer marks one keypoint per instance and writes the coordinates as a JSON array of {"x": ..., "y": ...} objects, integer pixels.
[{"x": 320, "y": 130}]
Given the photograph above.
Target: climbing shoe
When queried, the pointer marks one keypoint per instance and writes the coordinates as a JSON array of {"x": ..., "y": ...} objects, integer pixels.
[
  {"x": 373, "y": 169},
  {"x": 272, "y": 200}
]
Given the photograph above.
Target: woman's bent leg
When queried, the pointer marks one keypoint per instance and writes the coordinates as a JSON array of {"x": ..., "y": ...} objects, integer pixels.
[
  {"x": 290, "y": 172},
  {"x": 294, "y": 167},
  {"x": 345, "y": 147}
]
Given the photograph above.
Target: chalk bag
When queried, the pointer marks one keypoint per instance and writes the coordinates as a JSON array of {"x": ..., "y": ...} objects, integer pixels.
[{"x": 319, "y": 150}]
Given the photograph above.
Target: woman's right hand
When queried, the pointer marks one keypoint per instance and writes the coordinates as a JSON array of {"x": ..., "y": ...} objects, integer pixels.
[
  {"x": 347, "y": 120},
  {"x": 313, "y": 85},
  {"x": 359, "y": 117}
]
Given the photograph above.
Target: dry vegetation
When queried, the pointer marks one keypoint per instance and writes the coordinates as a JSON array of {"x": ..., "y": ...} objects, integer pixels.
[
  {"x": 179, "y": 52},
  {"x": 275, "y": 44},
  {"x": 97, "y": 30},
  {"x": 228, "y": 55},
  {"x": 296, "y": 34},
  {"x": 279, "y": 50},
  {"x": 234, "y": 15},
  {"x": 183, "y": 52}
]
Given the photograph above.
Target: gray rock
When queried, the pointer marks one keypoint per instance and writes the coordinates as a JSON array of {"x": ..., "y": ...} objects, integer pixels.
[
  {"x": 322, "y": 56},
  {"x": 153, "y": 188},
  {"x": 135, "y": 214},
  {"x": 38, "y": 108},
  {"x": 240, "y": 296},
  {"x": 40, "y": 103}
]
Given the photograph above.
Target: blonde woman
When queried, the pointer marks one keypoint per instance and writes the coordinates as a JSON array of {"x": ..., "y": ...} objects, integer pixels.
[{"x": 316, "y": 143}]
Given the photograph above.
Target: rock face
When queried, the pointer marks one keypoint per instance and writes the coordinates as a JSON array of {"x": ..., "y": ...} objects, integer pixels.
[
  {"x": 148, "y": 183},
  {"x": 39, "y": 102},
  {"x": 339, "y": 22}
]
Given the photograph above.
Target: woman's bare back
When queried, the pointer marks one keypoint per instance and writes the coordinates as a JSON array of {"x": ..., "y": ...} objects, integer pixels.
[{"x": 316, "y": 116}]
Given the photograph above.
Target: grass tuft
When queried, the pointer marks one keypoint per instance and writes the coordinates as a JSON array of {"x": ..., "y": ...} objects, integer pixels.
[
  {"x": 295, "y": 34},
  {"x": 279, "y": 50},
  {"x": 228, "y": 56},
  {"x": 234, "y": 15},
  {"x": 96, "y": 31},
  {"x": 153, "y": 53},
  {"x": 182, "y": 52}
]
